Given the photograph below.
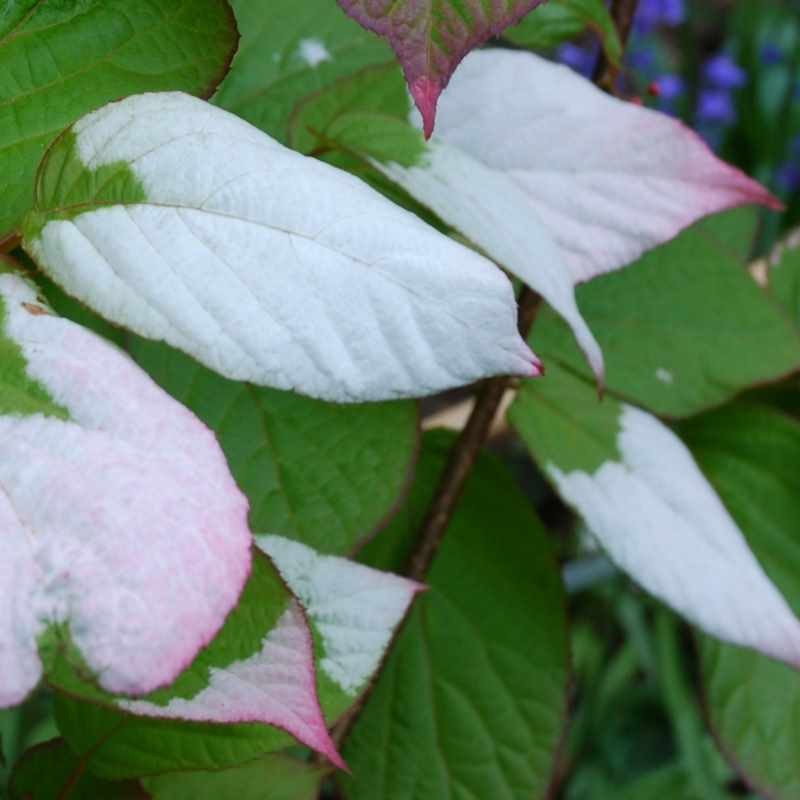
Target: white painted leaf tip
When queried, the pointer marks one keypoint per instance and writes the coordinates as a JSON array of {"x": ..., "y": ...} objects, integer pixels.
[
  {"x": 661, "y": 521},
  {"x": 122, "y": 521},
  {"x": 355, "y": 608},
  {"x": 272, "y": 267}
]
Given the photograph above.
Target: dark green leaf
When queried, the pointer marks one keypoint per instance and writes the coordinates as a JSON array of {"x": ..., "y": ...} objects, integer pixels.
[
  {"x": 472, "y": 697},
  {"x": 51, "y": 771},
  {"x": 58, "y": 61}
]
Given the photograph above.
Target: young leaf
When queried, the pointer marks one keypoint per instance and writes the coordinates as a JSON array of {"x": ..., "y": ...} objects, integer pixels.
[
  {"x": 259, "y": 669},
  {"x": 677, "y": 351},
  {"x": 58, "y": 61},
  {"x": 269, "y": 267},
  {"x": 430, "y": 37},
  {"x": 646, "y": 500},
  {"x": 472, "y": 699},
  {"x": 308, "y": 467},
  {"x": 750, "y": 454},
  {"x": 123, "y": 524}
]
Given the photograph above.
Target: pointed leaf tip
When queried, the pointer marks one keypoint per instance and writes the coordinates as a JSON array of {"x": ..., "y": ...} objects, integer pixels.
[{"x": 426, "y": 92}]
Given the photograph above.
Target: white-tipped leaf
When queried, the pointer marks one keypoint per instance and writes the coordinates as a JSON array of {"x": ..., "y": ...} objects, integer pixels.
[
  {"x": 644, "y": 497},
  {"x": 184, "y": 223},
  {"x": 557, "y": 181},
  {"x": 661, "y": 521},
  {"x": 119, "y": 516},
  {"x": 355, "y": 609}
]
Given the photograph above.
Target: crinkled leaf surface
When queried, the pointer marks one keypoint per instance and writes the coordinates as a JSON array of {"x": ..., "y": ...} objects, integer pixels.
[
  {"x": 288, "y": 51},
  {"x": 644, "y": 497},
  {"x": 259, "y": 669},
  {"x": 472, "y": 699},
  {"x": 327, "y": 475},
  {"x": 430, "y": 37},
  {"x": 750, "y": 454},
  {"x": 269, "y": 267},
  {"x": 559, "y": 20},
  {"x": 122, "y": 523},
  {"x": 58, "y": 61},
  {"x": 273, "y": 777},
  {"x": 685, "y": 328}
]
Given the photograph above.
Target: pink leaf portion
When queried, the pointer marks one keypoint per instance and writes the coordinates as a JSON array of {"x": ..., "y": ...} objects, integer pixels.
[
  {"x": 123, "y": 521},
  {"x": 276, "y": 686},
  {"x": 608, "y": 179},
  {"x": 430, "y": 37}
]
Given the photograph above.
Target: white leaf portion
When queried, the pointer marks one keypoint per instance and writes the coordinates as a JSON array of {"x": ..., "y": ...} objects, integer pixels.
[
  {"x": 494, "y": 212},
  {"x": 276, "y": 686},
  {"x": 123, "y": 521},
  {"x": 609, "y": 179},
  {"x": 662, "y": 522},
  {"x": 274, "y": 268},
  {"x": 355, "y": 609}
]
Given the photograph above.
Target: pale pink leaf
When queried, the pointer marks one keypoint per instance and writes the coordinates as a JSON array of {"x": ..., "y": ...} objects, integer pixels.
[{"x": 122, "y": 521}]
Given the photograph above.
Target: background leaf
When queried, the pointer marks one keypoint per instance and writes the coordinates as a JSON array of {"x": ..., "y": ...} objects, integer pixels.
[{"x": 58, "y": 61}]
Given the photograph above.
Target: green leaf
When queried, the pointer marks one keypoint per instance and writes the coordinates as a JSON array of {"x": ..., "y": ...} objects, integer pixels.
[
  {"x": 559, "y": 20},
  {"x": 290, "y": 50},
  {"x": 59, "y": 61},
  {"x": 51, "y": 770},
  {"x": 683, "y": 329},
  {"x": 472, "y": 696},
  {"x": 327, "y": 475},
  {"x": 751, "y": 454},
  {"x": 274, "y": 777}
]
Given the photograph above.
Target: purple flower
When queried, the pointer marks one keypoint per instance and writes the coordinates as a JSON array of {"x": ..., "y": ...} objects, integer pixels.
[
  {"x": 653, "y": 13},
  {"x": 716, "y": 106},
  {"x": 670, "y": 87},
  {"x": 787, "y": 177},
  {"x": 722, "y": 72},
  {"x": 578, "y": 58},
  {"x": 771, "y": 54}
]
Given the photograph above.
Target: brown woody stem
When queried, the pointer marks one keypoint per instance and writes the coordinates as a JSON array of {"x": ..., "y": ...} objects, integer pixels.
[{"x": 464, "y": 454}]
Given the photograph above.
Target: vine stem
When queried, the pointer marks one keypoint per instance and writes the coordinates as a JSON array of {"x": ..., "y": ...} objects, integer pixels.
[{"x": 464, "y": 454}]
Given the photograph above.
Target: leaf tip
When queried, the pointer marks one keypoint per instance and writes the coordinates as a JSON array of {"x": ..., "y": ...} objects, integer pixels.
[{"x": 426, "y": 92}]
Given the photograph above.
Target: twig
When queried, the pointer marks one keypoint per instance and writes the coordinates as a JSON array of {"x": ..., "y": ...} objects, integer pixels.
[
  {"x": 10, "y": 242},
  {"x": 606, "y": 73},
  {"x": 464, "y": 454}
]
